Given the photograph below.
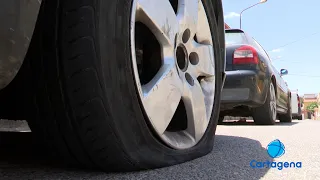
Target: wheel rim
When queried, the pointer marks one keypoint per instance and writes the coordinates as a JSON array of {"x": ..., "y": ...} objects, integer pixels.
[
  {"x": 273, "y": 102},
  {"x": 178, "y": 98}
]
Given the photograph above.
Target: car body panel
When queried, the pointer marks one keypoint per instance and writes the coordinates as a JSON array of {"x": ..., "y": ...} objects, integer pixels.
[
  {"x": 239, "y": 79},
  {"x": 295, "y": 105},
  {"x": 282, "y": 90},
  {"x": 244, "y": 87},
  {"x": 17, "y": 19}
]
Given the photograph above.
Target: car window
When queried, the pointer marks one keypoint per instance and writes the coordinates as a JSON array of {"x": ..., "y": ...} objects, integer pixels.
[
  {"x": 235, "y": 38},
  {"x": 257, "y": 45}
]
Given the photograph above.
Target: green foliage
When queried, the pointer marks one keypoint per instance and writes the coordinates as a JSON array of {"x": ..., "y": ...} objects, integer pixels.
[{"x": 311, "y": 106}]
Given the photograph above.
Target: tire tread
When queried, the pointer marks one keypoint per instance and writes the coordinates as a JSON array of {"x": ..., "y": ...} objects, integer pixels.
[{"x": 73, "y": 126}]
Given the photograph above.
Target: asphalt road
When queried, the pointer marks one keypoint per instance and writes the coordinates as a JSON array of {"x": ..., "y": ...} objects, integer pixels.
[{"x": 236, "y": 145}]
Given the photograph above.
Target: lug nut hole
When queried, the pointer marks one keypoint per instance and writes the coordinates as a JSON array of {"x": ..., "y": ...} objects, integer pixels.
[
  {"x": 186, "y": 36},
  {"x": 194, "y": 58},
  {"x": 189, "y": 79}
]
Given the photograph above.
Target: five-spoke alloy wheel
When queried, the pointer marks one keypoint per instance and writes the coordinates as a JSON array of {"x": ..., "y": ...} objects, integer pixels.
[{"x": 185, "y": 76}]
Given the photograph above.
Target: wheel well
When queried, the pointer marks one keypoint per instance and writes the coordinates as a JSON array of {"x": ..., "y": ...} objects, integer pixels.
[{"x": 273, "y": 80}]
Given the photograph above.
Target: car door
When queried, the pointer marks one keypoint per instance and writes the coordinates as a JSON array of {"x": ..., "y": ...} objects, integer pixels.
[
  {"x": 280, "y": 87},
  {"x": 285, "y": 92}
]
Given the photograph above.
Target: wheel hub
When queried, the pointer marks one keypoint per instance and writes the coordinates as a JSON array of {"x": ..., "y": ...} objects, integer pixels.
[{"x": 182, "y": 57}]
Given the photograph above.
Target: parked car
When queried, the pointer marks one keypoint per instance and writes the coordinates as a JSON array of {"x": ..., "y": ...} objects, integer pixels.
[
  {"x": 253, "y": 86},
  {"x": 296, "y": 106},
  {"x": 114, "y": 85}
]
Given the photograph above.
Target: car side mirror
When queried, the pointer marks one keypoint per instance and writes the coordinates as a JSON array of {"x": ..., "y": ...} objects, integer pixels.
[{"x": 283, "y": 72}]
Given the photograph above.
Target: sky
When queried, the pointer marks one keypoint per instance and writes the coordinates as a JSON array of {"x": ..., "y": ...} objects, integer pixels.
[{"x": 293, "y": 24}]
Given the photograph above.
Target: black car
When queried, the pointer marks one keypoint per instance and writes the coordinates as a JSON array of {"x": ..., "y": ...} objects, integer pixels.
[{"x": 253, "y": 86}]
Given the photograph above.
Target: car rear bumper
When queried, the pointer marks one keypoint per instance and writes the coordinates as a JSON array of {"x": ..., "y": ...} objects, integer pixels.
[{"x": 244, "y": 87}]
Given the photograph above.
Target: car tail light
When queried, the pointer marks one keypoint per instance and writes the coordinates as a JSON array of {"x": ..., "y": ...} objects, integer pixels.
[
  {"x": 298, "y": 101},
  {"x": 245, "y": 55}
]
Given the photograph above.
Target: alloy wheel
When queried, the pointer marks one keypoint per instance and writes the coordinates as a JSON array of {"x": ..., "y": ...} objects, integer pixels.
[
  {"x": 173, "y": 62},
  {"x": 273, "y": 102}
]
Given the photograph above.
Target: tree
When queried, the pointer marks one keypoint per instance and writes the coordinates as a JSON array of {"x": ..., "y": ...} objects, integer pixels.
[{"x": 311, "y": 106}]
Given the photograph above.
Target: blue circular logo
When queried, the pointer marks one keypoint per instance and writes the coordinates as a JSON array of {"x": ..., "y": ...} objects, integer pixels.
[{"x": 275, "y": 149}]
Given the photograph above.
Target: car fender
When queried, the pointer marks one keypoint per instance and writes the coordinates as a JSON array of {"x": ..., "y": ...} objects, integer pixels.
[
  {"x": 268, "y": 80},
  {"x": 18, "y": 19}
]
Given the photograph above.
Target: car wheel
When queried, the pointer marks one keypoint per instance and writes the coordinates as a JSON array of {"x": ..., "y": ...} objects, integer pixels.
[
  {"x": 267, "y": 113},
  {"x": 128, "y": 85},
  {"x": 299, "y": 117},
  {"x": 288, "y": 116}
]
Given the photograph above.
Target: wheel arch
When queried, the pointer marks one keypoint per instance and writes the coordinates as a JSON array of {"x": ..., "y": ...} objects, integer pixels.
[{"x": 18, "y": 21}]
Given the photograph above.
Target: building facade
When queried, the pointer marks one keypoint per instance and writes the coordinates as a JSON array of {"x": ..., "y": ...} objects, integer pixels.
[{"x": 307, "y": 100}]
